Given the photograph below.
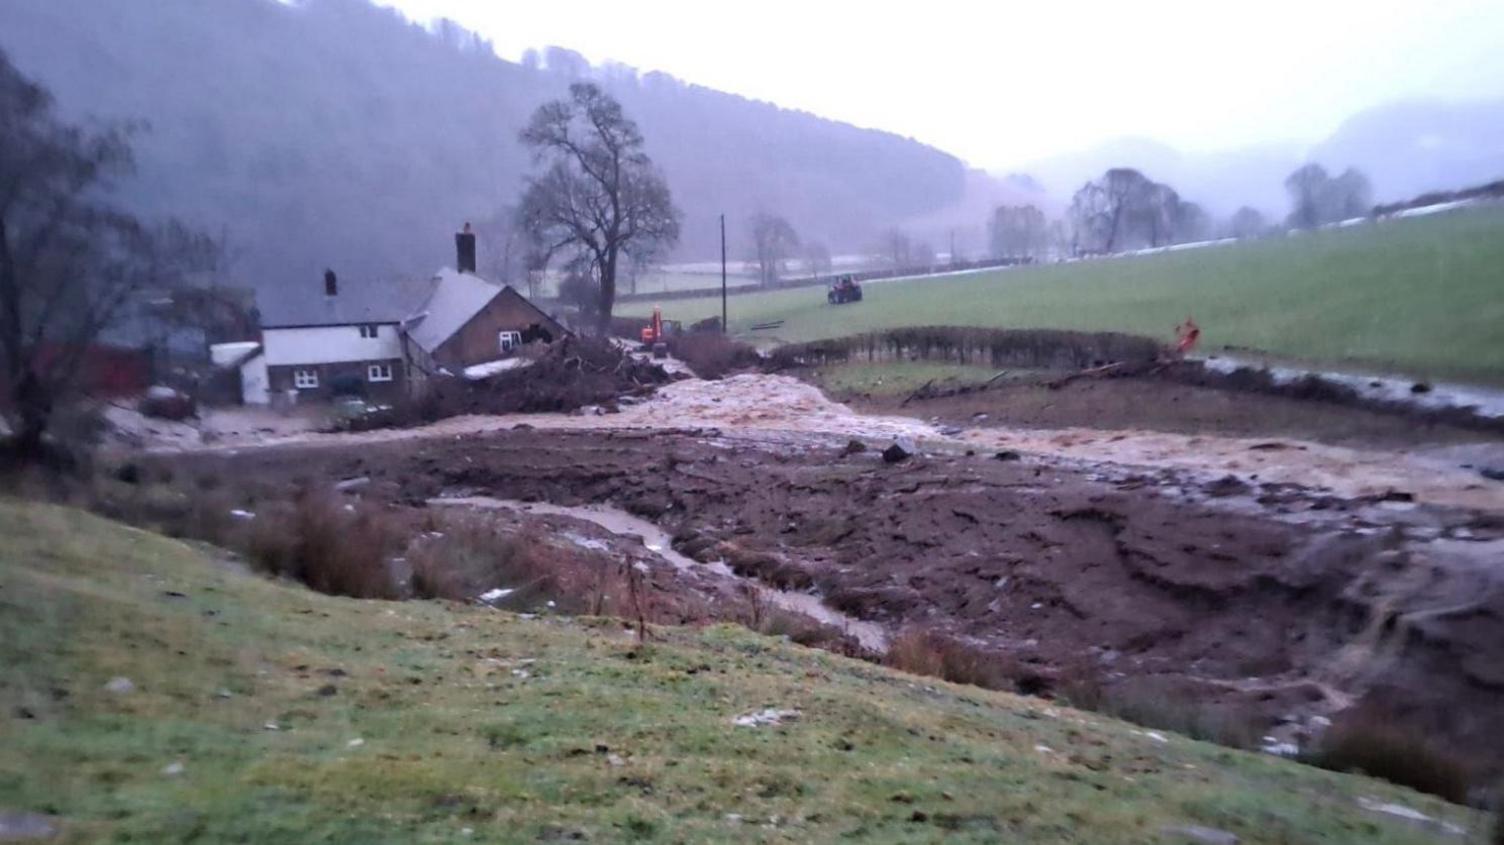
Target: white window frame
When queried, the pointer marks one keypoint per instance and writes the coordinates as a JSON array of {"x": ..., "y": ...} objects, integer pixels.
[
  {"x": 378, "y": 372},
  {"x": 508, "y": 341},
  {"x": 305, "y": 378},
  {"x": 370, "y": 330}
]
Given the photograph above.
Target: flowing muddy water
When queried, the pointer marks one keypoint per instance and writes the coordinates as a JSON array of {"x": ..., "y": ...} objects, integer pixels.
[
  {"x": 870, "y": 635},
  {"x": 784, "y": 410}
]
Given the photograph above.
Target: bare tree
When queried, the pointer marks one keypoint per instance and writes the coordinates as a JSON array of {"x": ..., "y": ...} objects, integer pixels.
[
  {"x": 1317, "y": 198},
  {"x": 817, "y": 260},
  {"x": 1107, "y": 210},
  {"x": 504, "y": 246},
  {"x": 1017, "y": 231},
  {"x": 897, "y": 248},
  {"x": 599, "y": 193},
  {"x": 71, "y": 265},
  {"x": 1350, "y": 195},
  {"x": 1307, "y": 187},
  {"x": 1190, "y": 223},
  {"x": 923, "y": 255},
  {"x": 773, "y": 244},
  {"x": 1246, "y": 222}
]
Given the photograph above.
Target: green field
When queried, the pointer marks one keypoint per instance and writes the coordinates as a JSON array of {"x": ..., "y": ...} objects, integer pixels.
[
  {"x": 262, "y": 712},
  {"x": 1422, "y": 296}
]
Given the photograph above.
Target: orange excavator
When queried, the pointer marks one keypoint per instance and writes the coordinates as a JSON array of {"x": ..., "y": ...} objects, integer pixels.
[{"x": 653, "y": 337}]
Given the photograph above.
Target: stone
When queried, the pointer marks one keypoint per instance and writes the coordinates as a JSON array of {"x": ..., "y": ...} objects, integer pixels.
[
  {"x": 853, "y": 447},
  {"x": 349, "y": 484},
  {"x": 1007, "y": 455},
  {"x": 901, "y": 450},
  {"x": 25, "y": 827},
  {"x": 173, "y": 769},
  {"x": 1198, "y": 833},
  {"x": 765, "y": 717},
  {"x": 120, "y": 686}
]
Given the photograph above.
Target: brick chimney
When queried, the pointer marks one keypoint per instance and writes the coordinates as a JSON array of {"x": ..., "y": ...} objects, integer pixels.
[
  {"x": 464, "y": 246},
  {"x": 331, "y": 284}
]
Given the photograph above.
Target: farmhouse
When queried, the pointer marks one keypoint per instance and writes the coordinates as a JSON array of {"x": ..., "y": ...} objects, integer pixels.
[{"x": 382, "y": 342}]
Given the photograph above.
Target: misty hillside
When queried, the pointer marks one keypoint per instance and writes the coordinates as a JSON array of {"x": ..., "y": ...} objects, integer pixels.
[
  {"x": 333, "y": 133},
  {"x": 1405, "y": 149}
]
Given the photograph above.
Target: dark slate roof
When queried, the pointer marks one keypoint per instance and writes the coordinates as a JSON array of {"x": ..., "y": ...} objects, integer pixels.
[{"x": 357, "y": 302}]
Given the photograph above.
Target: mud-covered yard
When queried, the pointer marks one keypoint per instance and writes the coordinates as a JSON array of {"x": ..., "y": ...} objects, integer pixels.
[{"x": 1279, "y": 578}]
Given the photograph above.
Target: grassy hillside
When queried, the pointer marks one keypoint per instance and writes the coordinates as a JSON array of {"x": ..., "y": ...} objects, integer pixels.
[
  {"x": 265, "y": 713},
  {"x": 1423, "y": 295}
]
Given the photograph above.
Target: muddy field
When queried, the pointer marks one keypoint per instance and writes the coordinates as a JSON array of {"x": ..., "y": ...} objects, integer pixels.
[
  {"x": 1287, "y": 580},
  {"x": 1161, "y": 404}
]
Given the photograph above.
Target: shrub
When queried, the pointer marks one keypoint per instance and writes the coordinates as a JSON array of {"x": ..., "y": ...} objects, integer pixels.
[
  {"x": 1160, "y": 703},
  {"x": 925, "y": 652},
  {"x": 333, "y": 548},
  {"x": 1368, "y": 740}
]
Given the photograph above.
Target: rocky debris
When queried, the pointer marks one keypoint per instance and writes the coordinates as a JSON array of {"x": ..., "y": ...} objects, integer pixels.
[
  {"x": 120, "y": 685},
  {"x": 24, "y": 827},
  {"x": 901, "y": 449},
  {"x": 1198, "y": 833},
  {"x": 764, "y": 718},
  {"x": 951, "y": 430},
  {"x": 1410, "y": 815}
]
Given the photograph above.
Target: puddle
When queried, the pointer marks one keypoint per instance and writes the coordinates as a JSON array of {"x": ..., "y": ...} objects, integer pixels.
[{"x": 656, "y": 540}]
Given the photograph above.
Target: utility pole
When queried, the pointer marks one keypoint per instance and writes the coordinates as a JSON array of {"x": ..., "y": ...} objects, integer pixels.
[{"x": 725, "y": 329}]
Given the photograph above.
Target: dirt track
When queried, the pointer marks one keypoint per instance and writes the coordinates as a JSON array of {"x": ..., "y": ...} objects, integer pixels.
[{"x": 1289, "y": 577}]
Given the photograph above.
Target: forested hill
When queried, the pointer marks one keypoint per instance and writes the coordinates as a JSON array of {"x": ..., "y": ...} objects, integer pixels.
[{"x": 334, "y": 133}]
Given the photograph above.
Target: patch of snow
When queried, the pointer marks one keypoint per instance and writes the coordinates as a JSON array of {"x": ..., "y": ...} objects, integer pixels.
[
  {"x": 491, "y": 368},
  {"x": 493, "y": 596},
  {"x": 762, "y": 718}
]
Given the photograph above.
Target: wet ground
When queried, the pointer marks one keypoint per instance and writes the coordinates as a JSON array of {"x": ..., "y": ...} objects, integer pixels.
[{"x": 1284, "y": 575}]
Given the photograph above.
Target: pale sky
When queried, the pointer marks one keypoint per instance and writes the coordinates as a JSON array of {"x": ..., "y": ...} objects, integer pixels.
[{"x": 1002, "y": 83}]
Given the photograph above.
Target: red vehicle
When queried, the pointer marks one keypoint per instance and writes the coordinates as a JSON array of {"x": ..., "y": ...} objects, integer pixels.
[{"x": 843, "y": 291}]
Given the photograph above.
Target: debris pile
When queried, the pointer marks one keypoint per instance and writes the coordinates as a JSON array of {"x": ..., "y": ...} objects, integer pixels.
[{"x": 573, "y": 373}]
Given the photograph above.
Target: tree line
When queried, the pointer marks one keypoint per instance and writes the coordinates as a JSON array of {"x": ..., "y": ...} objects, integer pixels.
[{"x": 1124, "y": 209}]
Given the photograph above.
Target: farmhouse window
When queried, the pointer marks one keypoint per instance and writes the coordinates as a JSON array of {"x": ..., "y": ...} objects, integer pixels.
[
  {"x": 509, "y": 340},
  {"x": 369, "y": 330},
  {"x": 379, "y": 372},
  {"x": 305, "y": 379}
]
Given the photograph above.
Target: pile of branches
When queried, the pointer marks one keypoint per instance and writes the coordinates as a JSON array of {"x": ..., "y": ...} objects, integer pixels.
[{"x": 573, "y": 373}]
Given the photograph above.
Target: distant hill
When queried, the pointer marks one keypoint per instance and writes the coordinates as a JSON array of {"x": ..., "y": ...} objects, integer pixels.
[
  {"x": 334, "y": 133},
  {"x": 1405, "y": 148},
  {"x": 1413, "y": 147}
]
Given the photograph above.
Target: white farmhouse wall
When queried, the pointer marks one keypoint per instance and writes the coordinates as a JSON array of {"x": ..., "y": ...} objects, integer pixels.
[
  {"x": 329, "y": 345},
  {"x": 255, "y": 387}
]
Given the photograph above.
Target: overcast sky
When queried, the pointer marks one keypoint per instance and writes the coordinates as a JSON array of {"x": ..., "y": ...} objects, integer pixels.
[{"x": 1002, "y": 83}]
